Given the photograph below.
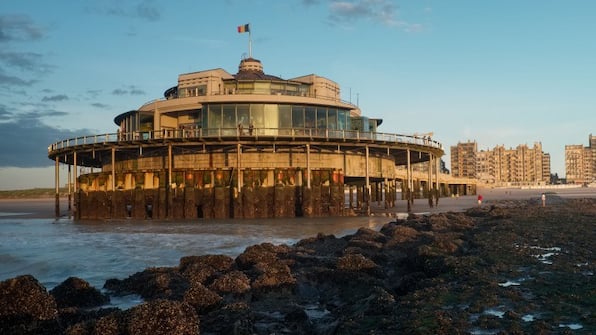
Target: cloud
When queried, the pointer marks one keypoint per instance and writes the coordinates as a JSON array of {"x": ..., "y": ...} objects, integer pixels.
[
  {"x": 132, "y": 90},
  {"x": 9, "y": 81},
  {"x": 27, "y": 138},
  {"x": 144, "y": 10},
  {"x": 381, "y": 11},
  {"x": 18, "y": 28},
  {"x": 147, "y": 11},
  {"x": 29, "y": 142},
  {"x": 24, "y": 61},
  {"x": 4, "y": 113},
  {"x": 100, "y": 105},
  {"x": 119, "y": 91},
  {"x": 59, "y": 97}
]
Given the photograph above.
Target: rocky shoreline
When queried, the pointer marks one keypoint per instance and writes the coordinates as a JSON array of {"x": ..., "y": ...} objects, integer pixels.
[{"x": 510, "y": 267}]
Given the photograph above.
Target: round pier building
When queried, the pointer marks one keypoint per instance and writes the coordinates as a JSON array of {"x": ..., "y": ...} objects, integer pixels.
[{"x": 244, "y": 145}]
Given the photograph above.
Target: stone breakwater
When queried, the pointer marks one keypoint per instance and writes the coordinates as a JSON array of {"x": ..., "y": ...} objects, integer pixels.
[{"x": 510, "y": 267}]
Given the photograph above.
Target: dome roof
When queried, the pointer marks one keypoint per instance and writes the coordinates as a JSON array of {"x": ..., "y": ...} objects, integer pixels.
[{"x": 252, "y": 69}]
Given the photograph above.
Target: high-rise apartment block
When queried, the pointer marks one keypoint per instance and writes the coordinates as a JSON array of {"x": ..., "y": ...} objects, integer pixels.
[
  {"x": 520, "y": 166},
  {"x": 463, "y": 160},
  {"x": 580, "y": 162}
]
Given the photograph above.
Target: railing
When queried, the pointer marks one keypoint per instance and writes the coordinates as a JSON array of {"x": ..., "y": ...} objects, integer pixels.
[{"x": 239, "y": 133}]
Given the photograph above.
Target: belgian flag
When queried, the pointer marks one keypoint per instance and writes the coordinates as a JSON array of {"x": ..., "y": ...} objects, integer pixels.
[{"x": 244, "y": 28}]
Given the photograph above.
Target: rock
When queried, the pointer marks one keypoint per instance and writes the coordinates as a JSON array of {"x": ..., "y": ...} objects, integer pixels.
[
  {"x": 201, "y": 268},
  {"x": 273, "y": 275},
  {"x": 153, "y": 283},
  {"x": 26, "y": 307},
  {"x": 399, "y": 234},
  {"x": 235, "y": 318},
  {"x": 163, "y": 317},
  {"x": 235, "y": 282},
  {"x": 355, "y": 262},
  {"x": 323, "y": 245},
  {"x": 114, "y": 323},
  {"x": 75, "y": 292},
  {"x": 201, "y": 298},
  {"x": 260, "y": 253}
]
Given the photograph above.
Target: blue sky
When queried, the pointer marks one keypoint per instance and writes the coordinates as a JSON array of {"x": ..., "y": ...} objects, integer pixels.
[{"x": 498, "y": 72}]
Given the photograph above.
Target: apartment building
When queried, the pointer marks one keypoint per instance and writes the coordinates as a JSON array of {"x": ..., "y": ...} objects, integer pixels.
[
  {"x": 522, "y": 165},
  {"x": 463, "y": 159},
  {"x": 580, "y": 162}
]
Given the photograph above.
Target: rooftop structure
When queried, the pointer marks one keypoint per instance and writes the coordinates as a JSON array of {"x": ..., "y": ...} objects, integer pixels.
[{"x": 242, "y": 145}]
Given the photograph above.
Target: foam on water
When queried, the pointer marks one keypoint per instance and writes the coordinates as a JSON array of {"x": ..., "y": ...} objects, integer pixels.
[{"x": 53, "y": 250}]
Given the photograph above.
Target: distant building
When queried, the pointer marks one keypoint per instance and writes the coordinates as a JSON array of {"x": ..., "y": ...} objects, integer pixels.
[
  {"x": 500, "y": 166},
  {"x": 580, "y": 162},
  {"x": 463, "y": 160}
]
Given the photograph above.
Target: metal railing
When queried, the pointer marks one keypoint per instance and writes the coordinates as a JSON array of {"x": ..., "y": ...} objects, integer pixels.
[{"x": 239, "y": 133}]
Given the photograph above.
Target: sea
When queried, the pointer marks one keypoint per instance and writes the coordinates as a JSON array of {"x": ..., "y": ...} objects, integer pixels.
[{"x": 53, "y": 250}]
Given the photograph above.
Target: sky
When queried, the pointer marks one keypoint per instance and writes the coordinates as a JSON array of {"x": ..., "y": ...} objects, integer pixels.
[{"x": 503, "y": 72}]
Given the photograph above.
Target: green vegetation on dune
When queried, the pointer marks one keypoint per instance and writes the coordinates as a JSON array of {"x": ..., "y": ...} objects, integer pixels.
[{"x": 31, "y": 193}]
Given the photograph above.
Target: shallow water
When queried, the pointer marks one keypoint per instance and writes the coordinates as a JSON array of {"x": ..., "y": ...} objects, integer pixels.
[{"x": 53, "y": 250}]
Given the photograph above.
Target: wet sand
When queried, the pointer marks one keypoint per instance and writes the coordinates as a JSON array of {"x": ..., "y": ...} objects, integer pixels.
[
  {"x": 44, "y": 207},
  {"x": 35, "y": 208},
  {"x": 459, "y": 204}
]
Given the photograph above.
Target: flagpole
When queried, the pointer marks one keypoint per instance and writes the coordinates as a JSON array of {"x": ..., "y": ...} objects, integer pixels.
[{"x": 249, "y": 41}]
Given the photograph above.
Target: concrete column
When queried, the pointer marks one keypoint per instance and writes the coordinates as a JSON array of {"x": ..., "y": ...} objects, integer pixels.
[
  {"x": 239, "y": 166},
  {"x": 308, "y": 166},
  {"x": 69, "y": 190},
  {"x": 57, "y": 184},
  {"x": 409, "y": 181},
  {"x": 438, "y": 185},
  {"x": 367, "y": 189},
  {"x": 76, "y": 177},
  {"x": 113, "y": 169},
  {"x": 169, "y": 201}
]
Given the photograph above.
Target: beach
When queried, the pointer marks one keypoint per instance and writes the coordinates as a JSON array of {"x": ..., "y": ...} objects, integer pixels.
[
  {"x": 44, "y": 207},
  {"x": 509, "y": 266}
]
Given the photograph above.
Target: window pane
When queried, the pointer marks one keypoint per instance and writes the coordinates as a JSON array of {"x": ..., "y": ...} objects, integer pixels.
[
  {"x": 297, "y": 116},
  {"x": 332, "y": 119},
  {"x": 243, "y": 113},
  {"x": 321, "y": 118},
  {"x": 271, "y": 116},
  {"x": 214, "y": 116},
  {"x": 229, "y": 116},
  {"x": 309, "y": 117},
  {"x": 256, "y": 115},
  {"x": 285, "y": 116},
  {"x": 341, "y": 120}
]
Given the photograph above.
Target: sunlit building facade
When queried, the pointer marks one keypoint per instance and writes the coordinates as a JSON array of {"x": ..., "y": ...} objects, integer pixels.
[
  {"x": 580, "y": 162},
  {"x": 243, "y": 145}
]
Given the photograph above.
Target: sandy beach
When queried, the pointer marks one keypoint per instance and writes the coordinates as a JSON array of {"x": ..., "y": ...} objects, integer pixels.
[
  {"x": 44, "y": 207},
  {"x": 34, "y": 208}
]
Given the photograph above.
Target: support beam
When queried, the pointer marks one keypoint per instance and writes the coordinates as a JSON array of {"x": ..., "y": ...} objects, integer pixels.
[
  {"x": 57, "y": 184},
  {"x": 69, "y": 181},
  {"x": 308, "y": 166},
  {"x": 367, "y": 190},
  {"x": 113, "y": 169},
  {"x": 239, "y": 166},
  {"x": 409, "y": 182}
]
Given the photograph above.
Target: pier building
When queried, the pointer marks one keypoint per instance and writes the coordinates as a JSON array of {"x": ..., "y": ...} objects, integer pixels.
[{"x": 244, "y": 145}]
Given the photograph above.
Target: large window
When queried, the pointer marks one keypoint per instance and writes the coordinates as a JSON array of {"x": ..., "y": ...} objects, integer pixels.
[{"x": 227, "y": 117}]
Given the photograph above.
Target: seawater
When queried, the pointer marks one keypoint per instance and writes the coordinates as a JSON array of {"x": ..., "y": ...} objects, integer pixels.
[{"x": 53, "y": 250}]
